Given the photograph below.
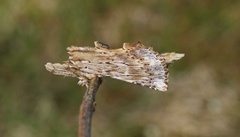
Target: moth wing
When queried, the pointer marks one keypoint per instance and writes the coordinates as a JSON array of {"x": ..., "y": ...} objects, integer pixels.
[{"x": 134, "y": 65}]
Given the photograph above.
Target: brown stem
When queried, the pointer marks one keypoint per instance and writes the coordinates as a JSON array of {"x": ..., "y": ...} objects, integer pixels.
[{"x": 87, "y": 108}]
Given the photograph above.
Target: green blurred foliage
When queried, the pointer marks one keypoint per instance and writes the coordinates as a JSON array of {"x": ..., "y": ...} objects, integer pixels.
[{"x": 204, "y": 89}]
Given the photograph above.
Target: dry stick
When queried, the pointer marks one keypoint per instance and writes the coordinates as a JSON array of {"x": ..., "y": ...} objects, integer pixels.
[{"x": 88, "y": 107}]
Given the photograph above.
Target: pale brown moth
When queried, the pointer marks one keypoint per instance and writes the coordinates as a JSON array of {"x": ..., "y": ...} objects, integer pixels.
[{"x": 133, "y": 63}]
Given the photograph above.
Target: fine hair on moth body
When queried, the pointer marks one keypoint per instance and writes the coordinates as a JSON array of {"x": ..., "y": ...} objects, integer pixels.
[{"x": 133, "y": 63}]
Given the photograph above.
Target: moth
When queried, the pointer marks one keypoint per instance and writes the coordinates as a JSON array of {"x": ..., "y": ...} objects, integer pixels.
[{"x": 133, "y": 63}]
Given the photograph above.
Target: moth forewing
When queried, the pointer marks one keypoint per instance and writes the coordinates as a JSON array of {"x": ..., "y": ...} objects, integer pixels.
[{"x": 133, "y": 63}]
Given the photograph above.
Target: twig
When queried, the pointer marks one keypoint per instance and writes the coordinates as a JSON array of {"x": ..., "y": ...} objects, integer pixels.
[{"x": 88, "y": 107}]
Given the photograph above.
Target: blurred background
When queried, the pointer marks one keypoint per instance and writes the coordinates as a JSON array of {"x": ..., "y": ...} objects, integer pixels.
[{"x": 203, "y": 97}]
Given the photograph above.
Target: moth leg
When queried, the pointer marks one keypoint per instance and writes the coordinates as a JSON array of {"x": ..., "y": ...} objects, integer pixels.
[
  {"x": 127, "y": 46},
  {"x": 83, "y": 81},
  {"x": 133, "y": 45},
  {"x": 100, "y": 45}
]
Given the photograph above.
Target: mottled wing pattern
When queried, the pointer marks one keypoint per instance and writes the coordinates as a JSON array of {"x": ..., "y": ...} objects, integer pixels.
[{"x": 133, "y": 63}]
